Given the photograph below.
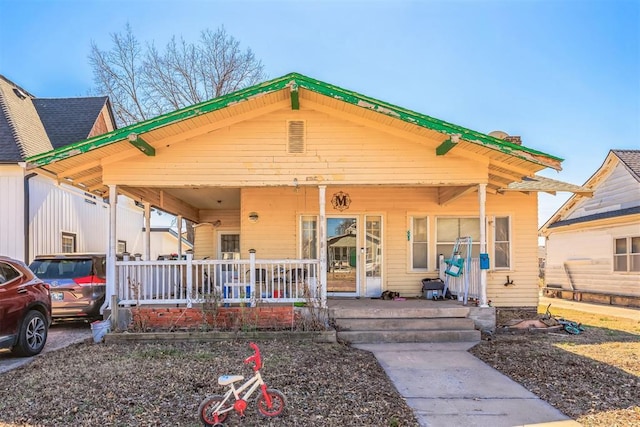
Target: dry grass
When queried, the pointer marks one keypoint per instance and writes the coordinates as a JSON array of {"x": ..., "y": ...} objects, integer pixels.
[
  {"x": 593, "y": 377},
  {"x": 163, "y": 384}
]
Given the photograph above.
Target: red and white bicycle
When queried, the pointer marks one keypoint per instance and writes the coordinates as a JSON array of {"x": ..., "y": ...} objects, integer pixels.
[{"x": 215, "y": 409}]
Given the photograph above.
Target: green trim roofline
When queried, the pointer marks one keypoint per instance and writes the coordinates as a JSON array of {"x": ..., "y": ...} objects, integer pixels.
[{"x": 292, "y": 80}]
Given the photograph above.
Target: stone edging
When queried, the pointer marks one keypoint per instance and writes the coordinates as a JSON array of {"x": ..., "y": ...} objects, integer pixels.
[{"x": 127, "y": 337}]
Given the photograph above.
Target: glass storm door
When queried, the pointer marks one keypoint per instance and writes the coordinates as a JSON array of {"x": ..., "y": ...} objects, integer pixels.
[
  {"x": 373, "y": 256},
  {"x": 342, "y": 256}
]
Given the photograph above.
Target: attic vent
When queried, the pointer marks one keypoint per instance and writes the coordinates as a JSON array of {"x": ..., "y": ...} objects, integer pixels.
[{"x": 295, "y": 137}]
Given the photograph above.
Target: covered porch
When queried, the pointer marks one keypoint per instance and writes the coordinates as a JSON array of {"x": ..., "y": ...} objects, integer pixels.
[{"x": 301, "y": 189}]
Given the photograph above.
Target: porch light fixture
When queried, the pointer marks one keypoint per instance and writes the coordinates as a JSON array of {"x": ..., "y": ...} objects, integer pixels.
[{"x": 253, "y": 217}]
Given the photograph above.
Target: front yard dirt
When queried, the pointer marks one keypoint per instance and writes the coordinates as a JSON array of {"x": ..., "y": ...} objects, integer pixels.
[{"x": 593, "y": 377}]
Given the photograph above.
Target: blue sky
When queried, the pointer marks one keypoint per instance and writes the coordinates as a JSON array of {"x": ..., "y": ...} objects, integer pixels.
[{"x": 564, "y": 75}]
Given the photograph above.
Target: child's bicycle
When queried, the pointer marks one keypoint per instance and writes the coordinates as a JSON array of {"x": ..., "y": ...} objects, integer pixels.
[
  {"x": 214, "y": 410},
  {"x": 569, "y": 326}
]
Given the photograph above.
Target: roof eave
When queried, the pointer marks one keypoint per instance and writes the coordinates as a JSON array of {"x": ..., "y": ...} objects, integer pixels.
[{"x": 301, "y": 81}]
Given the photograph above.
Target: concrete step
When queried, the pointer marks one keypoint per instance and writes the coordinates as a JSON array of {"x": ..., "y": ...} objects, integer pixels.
[
  {"x": 398, "y": 336},
  {"x": 394, "y": 312},
  {"x": 403, "y": 323}
]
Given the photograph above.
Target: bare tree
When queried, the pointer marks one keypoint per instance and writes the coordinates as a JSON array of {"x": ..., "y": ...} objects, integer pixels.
[{"x": 145, "y": 83}]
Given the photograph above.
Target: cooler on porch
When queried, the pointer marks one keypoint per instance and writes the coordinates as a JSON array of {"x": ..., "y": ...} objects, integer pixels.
[{"x": 432, "y": 288}]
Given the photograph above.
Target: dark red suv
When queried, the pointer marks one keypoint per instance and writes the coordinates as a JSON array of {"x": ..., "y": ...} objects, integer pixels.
[{"x": 25, "y": 309}]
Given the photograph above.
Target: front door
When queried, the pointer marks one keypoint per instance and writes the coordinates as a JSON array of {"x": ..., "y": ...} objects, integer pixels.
[{"x": 342, "y": 256}]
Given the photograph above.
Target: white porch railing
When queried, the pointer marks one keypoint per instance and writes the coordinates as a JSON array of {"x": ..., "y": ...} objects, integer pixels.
[
  {"x": 457, "y": 285},
  {"x": 226, "y": 281}
]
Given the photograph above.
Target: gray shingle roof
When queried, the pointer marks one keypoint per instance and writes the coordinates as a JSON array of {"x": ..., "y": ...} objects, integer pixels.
[
  {"x": 68, "y": 120},
  {"x": 631, "y": 158},
  {"x": 31, "y": 126},
  {"x": 595, "y": 217},
  {"x": 21, "y": 134}
]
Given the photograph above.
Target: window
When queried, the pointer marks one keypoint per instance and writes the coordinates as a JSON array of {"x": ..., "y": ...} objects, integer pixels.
[
  {"x": 7, "y": 273},
  {"x": 626, "y": 256},
  {"x": 309, "y": 237},
  {"x": 419, "y": 243},
  {"x": 122, "y": 246},
  {"x": 449, "y": 229},
  {"x": 68, "y": 242},
  {"x": 502, "y": 241}
]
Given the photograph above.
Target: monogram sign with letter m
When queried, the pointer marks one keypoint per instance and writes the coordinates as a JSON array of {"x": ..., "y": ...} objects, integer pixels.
[{"x": 340, "y": 201}]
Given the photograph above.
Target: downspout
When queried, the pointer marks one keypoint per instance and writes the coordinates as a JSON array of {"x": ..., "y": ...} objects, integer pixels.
[{"x": 27, "y": 207}]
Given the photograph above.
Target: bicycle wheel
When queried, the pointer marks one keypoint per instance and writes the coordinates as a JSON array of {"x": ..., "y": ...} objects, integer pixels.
[
  {"x": 572, "y": 329},
  {"x": 278, "y": 402},
  {"x": 208, "y": 407}
]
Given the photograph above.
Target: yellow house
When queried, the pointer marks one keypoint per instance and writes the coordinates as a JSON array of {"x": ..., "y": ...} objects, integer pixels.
[{"x": 295, "y": 175}]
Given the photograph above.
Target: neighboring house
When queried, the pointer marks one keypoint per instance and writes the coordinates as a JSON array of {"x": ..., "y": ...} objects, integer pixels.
[
  {"x": 43, "y": 215},
  {"x": 164, "y": 243},
  {"x": 265, "y": 172},
  {"x": 593, "y": 244}
]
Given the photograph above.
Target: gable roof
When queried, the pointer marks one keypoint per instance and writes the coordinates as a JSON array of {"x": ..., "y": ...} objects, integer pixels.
[
  {"x": 30, "y": 126},
  {"x": 295, "y": 82},
  {"x": 21, "y": 131},
  {"x": 630, "y": 159},
  {"x": 81, "y": 162},
  {"x": 68, "y": 120}
]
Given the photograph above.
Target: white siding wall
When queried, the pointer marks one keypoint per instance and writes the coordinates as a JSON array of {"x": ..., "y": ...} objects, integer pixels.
[
  {"x": 585, "y": 257},
  {"x": 12, "y": 211},
  {"x": 55, "y": 209},
  {"x": 617, "y": 191}
]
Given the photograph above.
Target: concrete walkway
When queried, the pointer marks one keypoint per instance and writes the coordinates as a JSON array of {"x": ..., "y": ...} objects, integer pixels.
[{"x": 448, "y": 387}]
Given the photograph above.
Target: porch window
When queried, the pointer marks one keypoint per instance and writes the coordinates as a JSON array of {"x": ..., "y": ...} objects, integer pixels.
[
  {"x": 122, "y": 246},
  {"x": 502, "y": 241},
  {"x": 419, "y": 243},
  {"x": 68, "y": 242},
  {"x": 449, "y": 229},
  {"x": 309, "y": 237},
  {"x": 626, "y": 257}
]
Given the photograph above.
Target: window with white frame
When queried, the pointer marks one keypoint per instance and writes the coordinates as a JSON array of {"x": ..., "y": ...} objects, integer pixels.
[
  {"x": 309, "y": 237},
  {"x": 68, "y": 242},
  {"x": 626, "y": 256},
  {"x": 449, "y": 229},
  {"x": 419, "y": 243},
  {"x": 502, "y": 243}
]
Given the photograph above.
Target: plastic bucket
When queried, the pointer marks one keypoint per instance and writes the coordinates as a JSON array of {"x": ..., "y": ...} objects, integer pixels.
[{"x": 99, "y": 329}]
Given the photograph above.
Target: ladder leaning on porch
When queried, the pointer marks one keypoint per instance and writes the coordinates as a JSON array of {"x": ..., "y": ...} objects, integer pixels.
[{"x": 459, "y": 264}]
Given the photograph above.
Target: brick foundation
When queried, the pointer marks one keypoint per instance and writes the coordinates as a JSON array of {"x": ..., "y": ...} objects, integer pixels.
[{"x": 222, "y": 318}]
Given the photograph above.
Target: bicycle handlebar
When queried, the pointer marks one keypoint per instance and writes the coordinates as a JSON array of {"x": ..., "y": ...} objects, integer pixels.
[{"x": 256, "y": 359}]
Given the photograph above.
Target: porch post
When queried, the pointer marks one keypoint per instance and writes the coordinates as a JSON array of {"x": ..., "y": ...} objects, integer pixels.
[
  {"x": 111, "y": 253},
  {"x": 147, "y": 231},
  {"x": 179, "y": 221},
  {"x": 322, "y": 237},
  {"x": 482, "y": 199}
]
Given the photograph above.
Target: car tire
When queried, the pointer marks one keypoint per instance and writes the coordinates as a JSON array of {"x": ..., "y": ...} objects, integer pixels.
[{"x": 32, "y": 335}]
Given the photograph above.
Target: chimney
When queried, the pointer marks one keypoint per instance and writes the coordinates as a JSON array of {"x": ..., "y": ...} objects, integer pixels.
[{"x": 514, "y": 140}]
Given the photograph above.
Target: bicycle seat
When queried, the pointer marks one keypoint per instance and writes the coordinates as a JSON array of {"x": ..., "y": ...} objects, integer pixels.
[{"x": 228, "y": 379}]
